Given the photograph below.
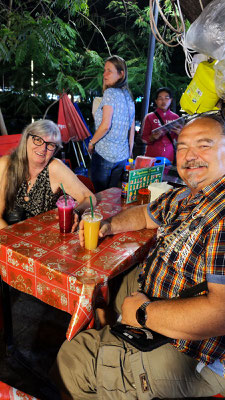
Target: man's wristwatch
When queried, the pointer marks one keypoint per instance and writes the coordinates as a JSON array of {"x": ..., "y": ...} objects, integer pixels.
[
  {"x": 92, "y": 144},
  {"x": 141, "y": 315}
]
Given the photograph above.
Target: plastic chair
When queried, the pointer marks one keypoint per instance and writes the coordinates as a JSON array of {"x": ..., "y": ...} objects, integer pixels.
[
  {"x": 8, "y": 143},
  {"x": 87, "y": 182},
  {"x": 9, "y": 392},
  {"x": 162, "y": 161}
]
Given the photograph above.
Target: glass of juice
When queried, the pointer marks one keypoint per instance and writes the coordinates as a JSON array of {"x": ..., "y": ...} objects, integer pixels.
[
  {"x": 91, "y": 228},
  {"x": 65, "y": 210}
]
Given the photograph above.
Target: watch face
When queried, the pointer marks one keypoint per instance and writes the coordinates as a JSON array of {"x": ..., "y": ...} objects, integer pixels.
[{"x": 141, "y": 316}]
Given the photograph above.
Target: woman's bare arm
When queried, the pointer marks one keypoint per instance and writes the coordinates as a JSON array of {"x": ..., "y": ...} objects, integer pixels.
[
  {"x": 3, "y": 175},
  {"x": 60, "y": 173}
]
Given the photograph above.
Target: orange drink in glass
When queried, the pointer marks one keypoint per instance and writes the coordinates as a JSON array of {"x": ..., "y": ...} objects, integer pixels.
[{"x": 91, "y": 228}]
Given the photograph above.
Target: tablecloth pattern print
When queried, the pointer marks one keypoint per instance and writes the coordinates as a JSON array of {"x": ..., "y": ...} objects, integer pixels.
[{"x": 36, "y": 259}]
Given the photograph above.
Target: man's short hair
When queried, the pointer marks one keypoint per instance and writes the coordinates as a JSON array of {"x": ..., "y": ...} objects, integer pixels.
[{"x": 217, "y": 116}]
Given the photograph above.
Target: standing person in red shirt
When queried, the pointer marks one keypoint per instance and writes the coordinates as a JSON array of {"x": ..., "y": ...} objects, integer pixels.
[{"x": 160, "y": 145}]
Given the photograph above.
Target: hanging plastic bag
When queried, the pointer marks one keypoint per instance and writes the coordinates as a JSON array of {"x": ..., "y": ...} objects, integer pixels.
[
  {"x": 207, "y": 33},
  {"x": 201, "y": 95},
  {"x": 220, "y": 78}
]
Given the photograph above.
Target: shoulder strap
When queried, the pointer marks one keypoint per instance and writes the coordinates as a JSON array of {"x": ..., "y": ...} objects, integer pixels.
[
  {"x": 196, "y": 289},
  {"x": 159, "y": 117},
  {"x": 212, "y": 217},
  {"x": 215, "y": 211}
]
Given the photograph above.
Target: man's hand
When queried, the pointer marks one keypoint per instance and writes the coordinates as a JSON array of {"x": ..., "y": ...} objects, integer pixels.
[
  {"x": 104, "y": 231},
  {"x": 130, "y": 306}
]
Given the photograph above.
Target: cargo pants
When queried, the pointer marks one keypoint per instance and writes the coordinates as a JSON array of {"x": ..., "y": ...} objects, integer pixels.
[{"x": 97, "y": 365}]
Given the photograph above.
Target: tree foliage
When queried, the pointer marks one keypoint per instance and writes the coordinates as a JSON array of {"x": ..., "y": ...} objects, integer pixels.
[
  {"x": 40, "y": 34},
  {"x": 128, "y": 29},
  {"x": 67, "y": 42}
]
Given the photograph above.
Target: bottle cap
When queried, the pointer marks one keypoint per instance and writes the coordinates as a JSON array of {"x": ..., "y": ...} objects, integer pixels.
[{"x": 144, "y": 191}]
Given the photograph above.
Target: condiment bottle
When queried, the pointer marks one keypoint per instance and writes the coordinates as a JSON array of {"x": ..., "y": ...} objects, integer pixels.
[
  {"x": 143, "y": 196},
  {"x": 125, "y": 180}
]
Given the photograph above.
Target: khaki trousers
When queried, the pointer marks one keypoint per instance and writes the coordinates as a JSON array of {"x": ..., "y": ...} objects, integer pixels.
[{"x": 97, "y": 365}]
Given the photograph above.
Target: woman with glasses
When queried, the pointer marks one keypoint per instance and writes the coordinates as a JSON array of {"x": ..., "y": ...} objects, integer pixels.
[
  {"x": 31, "y": 177},
  {"x": 160, "y": 145}
]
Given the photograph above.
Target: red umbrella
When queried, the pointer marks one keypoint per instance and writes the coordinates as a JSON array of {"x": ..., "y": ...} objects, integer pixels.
[
  {"x": 69, "y": 121},
  {"x": 8, "y": 143}
]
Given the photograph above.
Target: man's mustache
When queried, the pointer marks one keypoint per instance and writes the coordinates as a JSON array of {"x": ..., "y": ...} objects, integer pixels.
[{"x": 194, "y": 165}]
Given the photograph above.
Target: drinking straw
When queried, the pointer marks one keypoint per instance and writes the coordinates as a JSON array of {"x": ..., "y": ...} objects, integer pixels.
[
  {"x": 92, "y": 213},
  {"x": 64, "y": 193}
]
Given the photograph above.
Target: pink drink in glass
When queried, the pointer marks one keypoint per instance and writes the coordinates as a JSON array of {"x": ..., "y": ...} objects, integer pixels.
[{"x": 65, "y": 213}]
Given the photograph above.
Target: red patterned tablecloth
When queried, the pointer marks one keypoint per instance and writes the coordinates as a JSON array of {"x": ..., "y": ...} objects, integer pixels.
[
  {"x": 36, "y": 259},
  {"x": 10, "y": 393}
]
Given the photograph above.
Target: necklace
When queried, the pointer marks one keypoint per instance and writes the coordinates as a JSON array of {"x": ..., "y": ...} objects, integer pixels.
[{"x": 29, "y": 186}]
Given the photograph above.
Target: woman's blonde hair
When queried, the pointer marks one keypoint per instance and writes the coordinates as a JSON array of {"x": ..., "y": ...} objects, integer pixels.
[{"x": 18, "y": 169}]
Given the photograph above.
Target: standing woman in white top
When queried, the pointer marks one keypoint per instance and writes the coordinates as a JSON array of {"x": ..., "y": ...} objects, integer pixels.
[{"x": 112, "y": 143}]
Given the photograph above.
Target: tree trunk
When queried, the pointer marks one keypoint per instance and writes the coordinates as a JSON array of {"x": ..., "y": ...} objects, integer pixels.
[{"x": 9, "y": 13}]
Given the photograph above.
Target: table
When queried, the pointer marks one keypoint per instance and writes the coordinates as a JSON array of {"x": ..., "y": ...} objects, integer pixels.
[{"x": 36, "y": 259}]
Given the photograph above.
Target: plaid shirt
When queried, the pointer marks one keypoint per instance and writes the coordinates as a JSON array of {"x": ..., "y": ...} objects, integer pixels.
[{"x": 191, "y": 248}]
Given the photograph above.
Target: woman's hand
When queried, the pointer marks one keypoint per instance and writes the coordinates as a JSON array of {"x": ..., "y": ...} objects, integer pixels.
[
  {"x": 81, "y": 233},
  {"x": 75, "y": 222},
  {"x": 91, "y": 147},
  {"x": 155, "y": 136}
]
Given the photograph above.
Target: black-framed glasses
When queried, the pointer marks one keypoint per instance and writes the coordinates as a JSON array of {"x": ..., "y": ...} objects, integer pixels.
[{"x": 38, "y": 141}]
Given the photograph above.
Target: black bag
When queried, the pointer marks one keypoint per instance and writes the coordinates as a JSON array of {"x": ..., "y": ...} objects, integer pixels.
[
  {"x": 145, "y": 339},
  {"x": 141, "y": 338},
  {"x": 16, "y": 215}
]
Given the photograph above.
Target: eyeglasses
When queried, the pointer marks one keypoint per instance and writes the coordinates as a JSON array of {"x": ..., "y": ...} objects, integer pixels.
[{"x": 38, "y": 141}]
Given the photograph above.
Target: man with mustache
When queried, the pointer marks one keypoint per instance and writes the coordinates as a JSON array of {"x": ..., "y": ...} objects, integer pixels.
[{"x": 190, "y": 248}]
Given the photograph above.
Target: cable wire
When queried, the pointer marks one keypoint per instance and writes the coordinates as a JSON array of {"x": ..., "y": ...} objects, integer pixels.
[
  {"x": 178, "y": 30},
  {"x": 201, "y": 5}
]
